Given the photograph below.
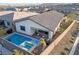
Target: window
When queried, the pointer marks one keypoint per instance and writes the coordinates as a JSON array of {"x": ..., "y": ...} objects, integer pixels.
[
  {"x": 22, "y": 28},
  {"x": 8, "y": 23},
  {"x": 1, "y": 22}
]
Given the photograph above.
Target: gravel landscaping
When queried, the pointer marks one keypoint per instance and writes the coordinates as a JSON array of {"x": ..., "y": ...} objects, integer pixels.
[{"x": 65, "y": 45}]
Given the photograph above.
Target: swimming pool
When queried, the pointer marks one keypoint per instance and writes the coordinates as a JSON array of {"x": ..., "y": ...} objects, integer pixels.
[{"x": 23, "y": 41}]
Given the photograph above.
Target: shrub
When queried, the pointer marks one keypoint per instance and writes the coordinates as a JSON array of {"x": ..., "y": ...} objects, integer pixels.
[
  {"x": 66, "y": 49},
  {"x": 71, "y": 41},
  {"x": 63, "y": 53},
  {"x": 64, "y": 25},
  {"x": 72, "y": 38}
]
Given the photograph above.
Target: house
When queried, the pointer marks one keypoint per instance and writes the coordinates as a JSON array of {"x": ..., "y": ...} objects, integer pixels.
[
  {"x": 42, "y": 25},
  {"x": 36, "y": 25}
]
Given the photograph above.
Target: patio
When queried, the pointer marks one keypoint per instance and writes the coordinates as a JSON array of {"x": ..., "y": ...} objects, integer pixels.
[{"x": 40, "y": 34}]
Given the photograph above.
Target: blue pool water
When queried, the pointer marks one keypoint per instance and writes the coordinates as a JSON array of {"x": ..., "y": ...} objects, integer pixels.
[
  {"x": 28, "y": 46},
  {"x": 19, "y": 39}
]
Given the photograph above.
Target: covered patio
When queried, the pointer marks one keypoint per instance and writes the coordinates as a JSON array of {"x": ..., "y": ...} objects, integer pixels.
[{"x": 38, "y": 33}]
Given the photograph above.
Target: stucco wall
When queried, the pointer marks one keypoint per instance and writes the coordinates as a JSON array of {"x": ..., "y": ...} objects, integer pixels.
[{"x": 28, "y": 24}]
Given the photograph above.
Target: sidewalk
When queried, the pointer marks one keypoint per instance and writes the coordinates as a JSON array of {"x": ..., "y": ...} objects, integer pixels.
[{"x": 75, "y": 45}]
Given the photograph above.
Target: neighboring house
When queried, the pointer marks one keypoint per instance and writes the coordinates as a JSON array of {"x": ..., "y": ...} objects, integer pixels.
[
  {"x": 6, "y": 18},
  {"x": 43, "y": 25}
]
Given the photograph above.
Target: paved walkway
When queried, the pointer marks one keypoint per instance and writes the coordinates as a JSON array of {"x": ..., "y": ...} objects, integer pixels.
[{"x": 74, "y": 46}]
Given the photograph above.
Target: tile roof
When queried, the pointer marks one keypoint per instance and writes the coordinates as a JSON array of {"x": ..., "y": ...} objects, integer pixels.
[
  {"x": 19, "y": 15},
  {"x": 48, "y": 19}
]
